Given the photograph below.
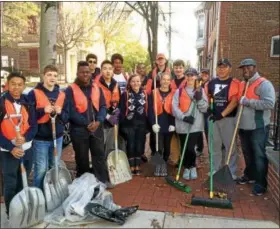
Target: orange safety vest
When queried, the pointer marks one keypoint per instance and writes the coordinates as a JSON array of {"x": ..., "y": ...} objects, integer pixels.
[
  {"x": 184, "y": 100},
  {"x": 149, "y": 84},
  {"x": 251, "y": 92},
  {"x": 174, "y": 86},
  {"x": 165, "y": 104},
  {"x": 81, "y": 100},
  {"x": 7, "y": 127},
  {"x": 146, "y": 104},
  {"x": 234, "y": 89},
  {"x": 110, "y": 96},
  {"x": 43, "y": 101}
]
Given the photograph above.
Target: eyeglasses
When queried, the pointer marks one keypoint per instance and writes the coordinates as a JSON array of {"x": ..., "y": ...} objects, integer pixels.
[{"x": 92, "y": 61}]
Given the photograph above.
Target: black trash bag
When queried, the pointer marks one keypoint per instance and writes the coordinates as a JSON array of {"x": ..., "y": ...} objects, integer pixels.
[
  {"x": 118, "y": 216},
  {"x": 103, "y": 213}
]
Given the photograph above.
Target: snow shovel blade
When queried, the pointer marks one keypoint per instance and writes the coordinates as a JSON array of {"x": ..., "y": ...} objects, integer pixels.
[
  {"x": 27, "y": 208},
  {"x": 56, "y": 192},
  {"x": 119, "y": 171}
]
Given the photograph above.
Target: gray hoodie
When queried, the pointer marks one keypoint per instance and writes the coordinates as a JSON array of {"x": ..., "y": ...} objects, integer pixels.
[
  {"x": 201, "y": 107},
  {"x": 257, "y": 113}
]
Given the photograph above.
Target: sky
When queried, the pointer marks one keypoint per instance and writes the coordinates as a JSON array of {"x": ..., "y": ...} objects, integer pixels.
[{"x": 183, "y": 21}]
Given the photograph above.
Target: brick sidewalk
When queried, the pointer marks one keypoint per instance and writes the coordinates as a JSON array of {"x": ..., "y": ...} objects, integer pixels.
[{"x": 155, "y": 194}]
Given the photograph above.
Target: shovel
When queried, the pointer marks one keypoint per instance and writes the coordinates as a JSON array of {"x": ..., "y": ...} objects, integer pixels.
[
  {"x": 27, "y": 208},
  {"x": 57, "y": 179},
  {"x": 117, "y": 163}
]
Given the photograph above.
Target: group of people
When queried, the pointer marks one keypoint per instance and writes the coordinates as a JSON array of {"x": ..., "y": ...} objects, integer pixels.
[{"x": 101, "y": 98}]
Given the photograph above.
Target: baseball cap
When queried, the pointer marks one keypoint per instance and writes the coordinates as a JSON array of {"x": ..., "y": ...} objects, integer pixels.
[
  {"x": 224, "y": 61},
  {"x": 247, "y": 62},
  {"x": 206, "y": 70},
  {"x": 160, "y": 55},
  {"x": 191, "y": 71}
]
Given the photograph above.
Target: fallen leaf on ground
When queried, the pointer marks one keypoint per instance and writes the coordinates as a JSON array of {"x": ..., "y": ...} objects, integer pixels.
[
  {"x": 265, "y": 198},
  {"x": 186, "y": 205}
]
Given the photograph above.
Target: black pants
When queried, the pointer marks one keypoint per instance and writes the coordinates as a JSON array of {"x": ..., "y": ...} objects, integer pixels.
[
  {"x": 135, "y": 137},
  {"x": 190, "y": 155},
  {"x": 164, "y": 140},
  {"x": 200, "y": 144},
  {"x": 11, "y": 174},
  {"x": 81, "y": 146}
]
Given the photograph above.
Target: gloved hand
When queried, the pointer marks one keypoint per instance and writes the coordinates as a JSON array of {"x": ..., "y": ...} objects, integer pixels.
[
  {"x": 112, "y": 119},
  {"x": 156, "y": 128},
  {"x": 244, "y": 101},
  {"x": 189, "y": 119},
  {"x": 198, "y": 95},
  {"x": 216, "y": 117},
  {"x": 171, "y": 128}
]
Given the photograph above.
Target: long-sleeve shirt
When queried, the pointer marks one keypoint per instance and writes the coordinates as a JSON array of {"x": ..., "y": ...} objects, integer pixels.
[
  {"x": 31, "y": 132},
  {"x": 201, "y": 107},
  {"x": 45, "y": 129},
  {"x": 80, "y": 121},
  {"x": 257, "y": 113}
]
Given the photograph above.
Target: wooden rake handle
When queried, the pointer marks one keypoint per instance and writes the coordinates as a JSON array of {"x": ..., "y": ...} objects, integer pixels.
[{"x": 237, "y": 124}]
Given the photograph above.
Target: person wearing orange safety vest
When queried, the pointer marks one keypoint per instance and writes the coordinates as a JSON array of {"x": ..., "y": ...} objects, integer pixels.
[
  {"x": 180, "y": 79},
  {"x": 49, "y": 100},
  {"x": 15, "y": 109},
  {"x": 258, "y": 102},
  {"x": 163, "y": 110},
  {"x": 161, "y": 66},
  {"x": 112, "y": 94},
  {"x": 133, "y": 121},
  {"x": 87, "y": 112},
  {"x": 224, "y": 90},
  {"x": 188, "y": 120}
]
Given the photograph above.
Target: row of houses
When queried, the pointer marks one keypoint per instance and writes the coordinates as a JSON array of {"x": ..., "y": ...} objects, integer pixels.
[
  {"x": 237, "y": 30},
  {"x": 24, "y": 56}
]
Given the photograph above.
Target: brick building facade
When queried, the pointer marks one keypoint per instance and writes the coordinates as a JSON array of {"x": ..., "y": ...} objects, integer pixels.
[{"x": 237, "y": 30}]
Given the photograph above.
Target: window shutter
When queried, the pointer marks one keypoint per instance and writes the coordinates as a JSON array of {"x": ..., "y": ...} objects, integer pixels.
[{"x": 33, "y": 58}]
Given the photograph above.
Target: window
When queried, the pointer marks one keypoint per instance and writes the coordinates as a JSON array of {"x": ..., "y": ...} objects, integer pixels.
[
  {"x": 201, "y": 26},
  {"x": 5, "y": 61},
  {"x": 32, "y": 25},
  {"x": 275, "y": 46},
  {"x": 59, "y": 59},
  {"x": 33, "y": 58}
]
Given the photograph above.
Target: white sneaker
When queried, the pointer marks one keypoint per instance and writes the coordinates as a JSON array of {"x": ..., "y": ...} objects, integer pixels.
[
  {"x": 193, "y": 175},
  {"x": 186, "y": 174}
]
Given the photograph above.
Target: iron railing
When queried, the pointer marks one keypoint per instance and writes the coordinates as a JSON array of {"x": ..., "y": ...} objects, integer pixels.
[{"x": 276, "y": 125}]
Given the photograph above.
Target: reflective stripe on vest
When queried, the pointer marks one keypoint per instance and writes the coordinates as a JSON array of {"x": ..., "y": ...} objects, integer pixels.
[
  {"x": 80, "y": 99},
  {"x": 184, "y": 100},
  {"x": 110, "y": 97},
  {"x": 42, "y": 101},
  {"x": 7, "y": 127},
  {"x": 251, "y": 92},
  {"x": 165, "y": 104}
]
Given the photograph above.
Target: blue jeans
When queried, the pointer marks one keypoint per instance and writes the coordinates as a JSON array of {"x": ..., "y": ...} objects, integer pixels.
[
  {"x": 11, "y": 174},
  {"x": 253, "y": 147},
  {"x": 43, "y": 159}
]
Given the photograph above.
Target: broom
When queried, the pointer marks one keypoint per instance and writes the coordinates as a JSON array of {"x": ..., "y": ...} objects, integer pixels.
[
  {"x": 211, "y": 202},
  {"x": 176, "y": 183},
  {"x": 222, "y": 179}
]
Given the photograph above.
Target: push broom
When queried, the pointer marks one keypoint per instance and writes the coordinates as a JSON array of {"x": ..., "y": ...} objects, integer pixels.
[
  {"x": 176, "y": 183},
  {"x": 222, "y": 179}
]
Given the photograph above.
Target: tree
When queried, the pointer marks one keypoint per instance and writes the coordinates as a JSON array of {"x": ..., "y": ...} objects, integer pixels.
[
  {"x": 15, "y": 16},
  {"x": 74, "y": 28},
  {"x": 48, "y": 29},
  {"x": 150, "y": 12},
  {"x": 112, "y": 23}
]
